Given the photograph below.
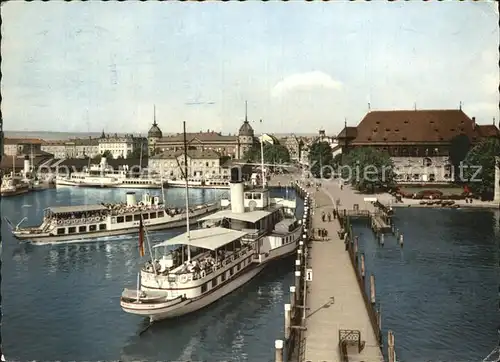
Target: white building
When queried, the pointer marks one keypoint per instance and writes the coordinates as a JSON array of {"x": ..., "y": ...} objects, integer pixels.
[
  {"x": 73, "y": 148},
  {"x": 122, "y": 146},
  {"x": 201, "y": 163}
]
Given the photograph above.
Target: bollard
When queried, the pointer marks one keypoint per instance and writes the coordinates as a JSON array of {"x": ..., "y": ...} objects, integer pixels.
[
  {"x": 382, "y": 241},
  {"x": 372, "y": 289},
  {"x": 390, "y": 346},
  {"x": 379, "y": 317},
  {"x": 278, "y": 345},
  {"x": 288, "y": 321},
  {"x": 292, "y": 297},
  {"x": 363, "y": 267},
  {"x": 297, "y": 264},
  {"x": 301, "y": 244},
  {"x": 355, "y": 245},
  {"x": 397, "y": 233},
  {"x": 401, "y": 240}
]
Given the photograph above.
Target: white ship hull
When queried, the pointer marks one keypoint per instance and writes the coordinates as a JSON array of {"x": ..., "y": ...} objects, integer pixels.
[
  {"x": 112, "y": 229},
  {"x": 179, "y": 307},
  {"x": 124, "y": 184}
]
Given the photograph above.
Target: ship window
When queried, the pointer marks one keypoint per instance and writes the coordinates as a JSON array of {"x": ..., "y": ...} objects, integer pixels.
[
  {"x": 152, "y": 215},
  {"x": 256, "y": 196},
  {"x": 137, "y": 217},
  {"x": 160, "y": 213},
  {"x": 92, "y": 227},
  {"x": 102, "y": 226},
  {"x": 204, "y": 288},
  {"x": 223, "y": 277},
  {"x": 119, "y": 219},
  {"x": 237, "y": 267},
  {"x": 60, "y": 231},
  {"x": 230, "y": 272},
  {"x": 214, "y": 282},
  {"x": 71, "y": 230},
  {"x": 113, "y": 220},
  {"x": 145, "y": 216},
  {"x": 248, "y": 196},
  {"x": 82, "y": 229},
  {"x": 128, "y": 218}
]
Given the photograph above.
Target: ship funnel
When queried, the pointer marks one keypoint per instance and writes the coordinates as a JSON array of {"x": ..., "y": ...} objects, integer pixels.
[
  {"x": 26, "y": 165},
  {"x": 236, "y": 185},
  {"x": 103, "y": 161},
  {"x": 131, "y": 201}
]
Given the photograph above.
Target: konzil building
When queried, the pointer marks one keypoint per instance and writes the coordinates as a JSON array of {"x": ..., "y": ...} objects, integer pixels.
[{"x": 418, "y": 141}]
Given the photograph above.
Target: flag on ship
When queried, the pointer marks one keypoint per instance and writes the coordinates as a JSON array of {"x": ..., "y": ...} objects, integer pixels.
[{"x": 141, "y": 238}]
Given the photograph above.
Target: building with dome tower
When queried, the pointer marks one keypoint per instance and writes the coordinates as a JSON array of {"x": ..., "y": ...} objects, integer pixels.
[
  {"x": 228, "y": 145},
  {"x": 154, "y": 134}
]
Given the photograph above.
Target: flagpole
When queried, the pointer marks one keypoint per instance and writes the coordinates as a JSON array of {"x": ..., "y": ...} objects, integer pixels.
[
  {"x": 262, "y": 157},
  {"x": 143, "y": 230},
  {"x": 187, "y": 195}
]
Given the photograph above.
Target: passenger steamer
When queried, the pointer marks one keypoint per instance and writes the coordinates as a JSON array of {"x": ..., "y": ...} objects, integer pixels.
[
  {"x": 199, "y": 267},
  {"x": 75, "y": 223},
  {"x": 104, "y": 176},
  {"x": 200, "y": 183}
]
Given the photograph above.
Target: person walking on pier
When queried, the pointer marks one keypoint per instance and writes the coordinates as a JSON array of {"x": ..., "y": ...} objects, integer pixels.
[
  {"x": 329, "y": 217},
  {"x": 323, "y": 216}
]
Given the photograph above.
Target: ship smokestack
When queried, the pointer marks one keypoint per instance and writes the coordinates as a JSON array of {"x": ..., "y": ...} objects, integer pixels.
[
  {"x": 131, "y": 200},
  {"x": 103, "y": 161},
  {"x": 27, "y": 165},
  {"x": 236, "y": 185}
]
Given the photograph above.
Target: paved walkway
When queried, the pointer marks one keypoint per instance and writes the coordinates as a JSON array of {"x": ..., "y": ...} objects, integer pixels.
[{"x": 335, "y": 300}]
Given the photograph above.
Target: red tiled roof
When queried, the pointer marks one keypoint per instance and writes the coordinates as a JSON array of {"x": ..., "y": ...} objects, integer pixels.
[
  {"x": 416, "y": 126},
  {"x": 348, "y": 132},
  {"x": 15, "y": 141},
  {"x": 201, "y": 136},
  {"x": 488, "y": 130}
]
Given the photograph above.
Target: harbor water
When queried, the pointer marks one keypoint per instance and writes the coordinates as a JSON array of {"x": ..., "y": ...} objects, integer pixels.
[{"x": 61, "y": 302}]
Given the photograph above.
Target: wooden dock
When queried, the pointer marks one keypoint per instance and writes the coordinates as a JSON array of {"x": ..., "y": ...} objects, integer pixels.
[{"x": 338, "y": 325}]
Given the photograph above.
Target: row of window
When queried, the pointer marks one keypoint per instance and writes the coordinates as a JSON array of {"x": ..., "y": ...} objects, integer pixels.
[
  {"x": 226, "y": 275},
  {"x": 80, "y": 229},
  {"x": 253, "y": 196},
  {"x": 137, "y": 217}
]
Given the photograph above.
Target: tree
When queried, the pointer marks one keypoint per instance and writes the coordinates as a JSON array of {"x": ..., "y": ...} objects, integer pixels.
[
  {"x": 272, "y": 154},
  {"x": 321, "y": 162},
  {"x": 479, "y": 168},
  {"x": 136, "y": 153},
  {"x": 368, "y": 168},
  {"x": 460, "y": 146},
  {"x": 107, "y": 154}
]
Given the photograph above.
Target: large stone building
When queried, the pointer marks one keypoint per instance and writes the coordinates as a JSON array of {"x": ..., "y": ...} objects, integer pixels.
[
  {"x": 234, "y": 146},
  {"x": 122, "y": 146},
  {"x": 293, "y": 145},
  {"x": 418, "y": 141},
  {"x": 72, "y": 148},
  {"x": 22, "y": 146},
  {"x": 201, "y": 163}
]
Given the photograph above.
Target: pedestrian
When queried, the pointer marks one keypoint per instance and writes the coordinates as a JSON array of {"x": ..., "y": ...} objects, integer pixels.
[
  {"x": 329, "y": 217},
  {"x": 323, "y": 216},
  {"x": 326, "y": 234}
]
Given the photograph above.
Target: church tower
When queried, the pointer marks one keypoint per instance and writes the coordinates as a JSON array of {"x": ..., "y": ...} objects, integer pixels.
[
  {"x": 154, "y": 134},
  {"x": 245, "y": 135}
]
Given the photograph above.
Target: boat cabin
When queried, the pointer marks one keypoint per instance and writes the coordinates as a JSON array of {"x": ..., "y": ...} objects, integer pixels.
[{"x": 76, "y": 219}]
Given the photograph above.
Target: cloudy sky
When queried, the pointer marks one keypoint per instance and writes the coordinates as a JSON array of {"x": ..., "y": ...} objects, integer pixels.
[{"x": 302, "y": 66}]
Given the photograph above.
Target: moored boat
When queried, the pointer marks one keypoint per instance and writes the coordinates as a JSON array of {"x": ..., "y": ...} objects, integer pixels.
[
  {"x": 199, "y": 267},
  {"x": 75, "y": 223},
  {"x": 13, "y": 186}
]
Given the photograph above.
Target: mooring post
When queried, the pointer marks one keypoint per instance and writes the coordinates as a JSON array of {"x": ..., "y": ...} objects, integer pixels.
[
  {"x": 390, "y": 346},
  {"x": 382, "y": 241},
  {"x": 278, "y": 346},
  {"x": 372, "y": 288},
  {"x": 401, "y": 240},
  {"x": 379, "y": 318},
  {"x": 297, "y": 264},
  {"x": 292, "y": 297},
  {"x": 297, "y": 280},
  {"x": 363, "y": 267},
  {"x": 288, "y": 321}
]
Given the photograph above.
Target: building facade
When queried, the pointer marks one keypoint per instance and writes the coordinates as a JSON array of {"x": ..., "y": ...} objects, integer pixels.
[
  {"x": 293, "y": 145},
  {"x": 201, "y": 164},
  {"x": 21, "y": 146},
  {"x": 73, "y": 148},
  {"x": 418, "y": 141},
  {"x": 233, "y": 146},
  {"x": 122, "y": 146}
]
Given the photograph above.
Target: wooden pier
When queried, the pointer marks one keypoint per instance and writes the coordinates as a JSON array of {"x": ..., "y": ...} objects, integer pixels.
[{"x": 330, "y": 317}]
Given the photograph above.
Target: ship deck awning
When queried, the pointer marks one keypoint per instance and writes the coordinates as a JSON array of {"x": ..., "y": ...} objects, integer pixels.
[
  {"x": 248, "y": 216},
  {"x": 81, "y": 208},
  {"x": 207, "y": 238}
]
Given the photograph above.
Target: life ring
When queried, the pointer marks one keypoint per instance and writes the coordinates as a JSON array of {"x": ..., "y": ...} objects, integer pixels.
[
  {"x": 183, "y": 278},
  {"x": 96, "y": 219},
  {"x": 203, "y": 274},
  {"x": 103, "y": 218},
  {"x": 59, "y": 222},
  {"x": 121, "y": 212}
]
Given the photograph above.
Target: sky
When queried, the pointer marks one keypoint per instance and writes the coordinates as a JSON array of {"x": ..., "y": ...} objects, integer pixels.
[{"x": 302, "y": 66}]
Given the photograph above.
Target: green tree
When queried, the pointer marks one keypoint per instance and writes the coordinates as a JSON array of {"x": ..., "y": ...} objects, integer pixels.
[
  {"x": 321, "y": 159},
  {"x": 459, "y": 148},
  {"x": 479, "y": 168},
  {"x": 107, "y": 154},
  {"x": 272, "y": 154},
  {"x": 136, "y": 153},
  {"x": 368, "y": 169}
]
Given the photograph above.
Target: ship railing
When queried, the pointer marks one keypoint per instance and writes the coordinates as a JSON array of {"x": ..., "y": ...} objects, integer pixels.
[{"x": 228, "y": 259}]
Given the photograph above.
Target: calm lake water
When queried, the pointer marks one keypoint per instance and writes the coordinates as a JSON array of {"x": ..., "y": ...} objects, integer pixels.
[{"x": 61, "y": 302}]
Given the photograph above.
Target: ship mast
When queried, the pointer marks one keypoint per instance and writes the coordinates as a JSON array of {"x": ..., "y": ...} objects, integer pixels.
[{"x": 187, "y": 193}]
